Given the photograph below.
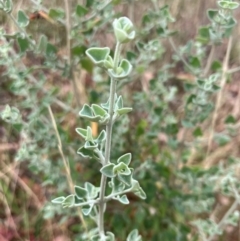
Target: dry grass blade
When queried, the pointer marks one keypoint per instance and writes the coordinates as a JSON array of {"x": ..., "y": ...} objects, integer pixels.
[{"x": 66, "y": 165}]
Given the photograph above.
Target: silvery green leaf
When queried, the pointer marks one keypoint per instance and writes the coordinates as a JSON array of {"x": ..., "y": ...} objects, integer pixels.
[
  {"x": 11, "y": 115},
  {"x": 134, "y": 236},
  {"x": 85, "y": 152},
  {"x": 98, "y": 110},
  {"x": 123, "y": 70},
  {"x": 108, "y": 170},
  {"x": 95, "y": 238},
  {"x": 7, "y": 6},
  {"x": 80, "y": 192},
  {"x": 106, "y": 105},
  {"x": 92, "y": 191},
  {"x": 22, "y": 19},
  {"x": 58, "y": 200},
  {"x": 42, "y": 45},
  {"x": 90, "y": 145},
  {"x": 69, "y": 201},
  {"x": 119, "y": 103},
  {"x": 123, "y": 199},
  {"x": 121, "y": 168},
  {"x": 98, "y": 55},
  {"x": 78, "y": 200},
  {"x": 123, "y": 30},
  {"x": 89, "y": 136},
  {"x": 101, "y": 137},
  {"x": 110, "y": 236},
  {"x": 116, "y": 185},
  {"x": 228, "y": 4},
  {"x": 87, "y": 113},
  {"x": 124, "y": 110},
  {"x": 104, "y": 120},
  {"x": 126, "y": 158},
  {"x": 126, "y": 179},
  {"x": 108, "y": 63},
  {"x": 82, "y": 132},
  {"x": 137, "y": 190},
  {"x": 87, "y": 209}
]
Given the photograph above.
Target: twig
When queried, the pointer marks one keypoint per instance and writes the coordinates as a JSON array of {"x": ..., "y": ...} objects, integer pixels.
[
  {"x": 180, "y": 56},
  {"x": 8, "y": 212},
  {"x": 226, "y": 215},
  {"x": 21, "y": 29},
  {"x": 234, "y": 70},
  {"x": 209, "y": 61},
  {"x": 66, "y": 164},
  {"x": 219, "y": 97},
  {"x": 21, "y": 183}
]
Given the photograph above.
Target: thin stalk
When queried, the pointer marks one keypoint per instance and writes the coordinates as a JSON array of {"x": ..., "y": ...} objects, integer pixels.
[
  {"x": 209, "y": 61},
  {"x": 234, "y": 70},
  {"x": 108, "y": 145},
  {"x": 225, "y": 217},
  {"x": 21, "y": 29},
  {"x": 179, "y": 55},
  {"x": 66, "y": 164},
  {"x": 219, "y": 100}
]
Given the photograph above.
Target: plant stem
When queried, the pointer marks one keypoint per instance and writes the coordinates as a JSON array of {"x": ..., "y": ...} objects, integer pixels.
[
  {"x": 108, "y": 144},
  {"x": 21, "y": 30},
  {"x": 180, "y": 56},
  {"x": 209, "y": 61},
  {"x": 218, "y": 101},
  {"x": 225, "y": 217}
]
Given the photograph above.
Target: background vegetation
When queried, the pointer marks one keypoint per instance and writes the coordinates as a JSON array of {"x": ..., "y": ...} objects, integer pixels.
[{"x": 183, "y": 135}]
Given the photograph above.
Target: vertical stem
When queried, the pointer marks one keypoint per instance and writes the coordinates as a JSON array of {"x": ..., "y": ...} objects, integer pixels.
[
  {"x": 108, "y": 144},
  {"x": 207, "y": 164},
  {"x": 209, "y": 61}
]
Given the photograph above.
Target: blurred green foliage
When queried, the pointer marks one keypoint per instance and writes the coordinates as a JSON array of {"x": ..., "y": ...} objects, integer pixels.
[{"x": 167, "y": 133}]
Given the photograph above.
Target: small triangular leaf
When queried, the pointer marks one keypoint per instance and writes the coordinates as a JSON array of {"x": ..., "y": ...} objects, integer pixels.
[
  {"x": 119, "y": 103},
  {"x": 122, "y": 169},
  {"x": 42, "y": 45},
  {"x": 58, "y": 200},
  {"x": 124, "y": 110},
  {"x": 108, "y": 170},
  {"x": 134, "y": 236},
  {"x": 80, "y": 192},
  {"x": 101, "y": 137},
  {"x": 98, "y": 110},
  {"x": 123, "y": 199},
  {"x": 69, "y": 201},
  {"x": 126, "y": 158},
  {"x": 89, "y": 136},
  {"x": 126, "y": 179},
  {"x": 87, "y": 209},
  {"x": 22, "y": 19},
  {"x": 92, "y": 191},
  {"x": 90, "y": 145},
  {"x": 85, "y": 152},
  {"x": 116, "y": 185},
  {"x": 82, "y": 132},
  {"x": 81, "y": 11},
  {"x": 110, "y": 236},
  {"x": 23, "y": 44}
]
